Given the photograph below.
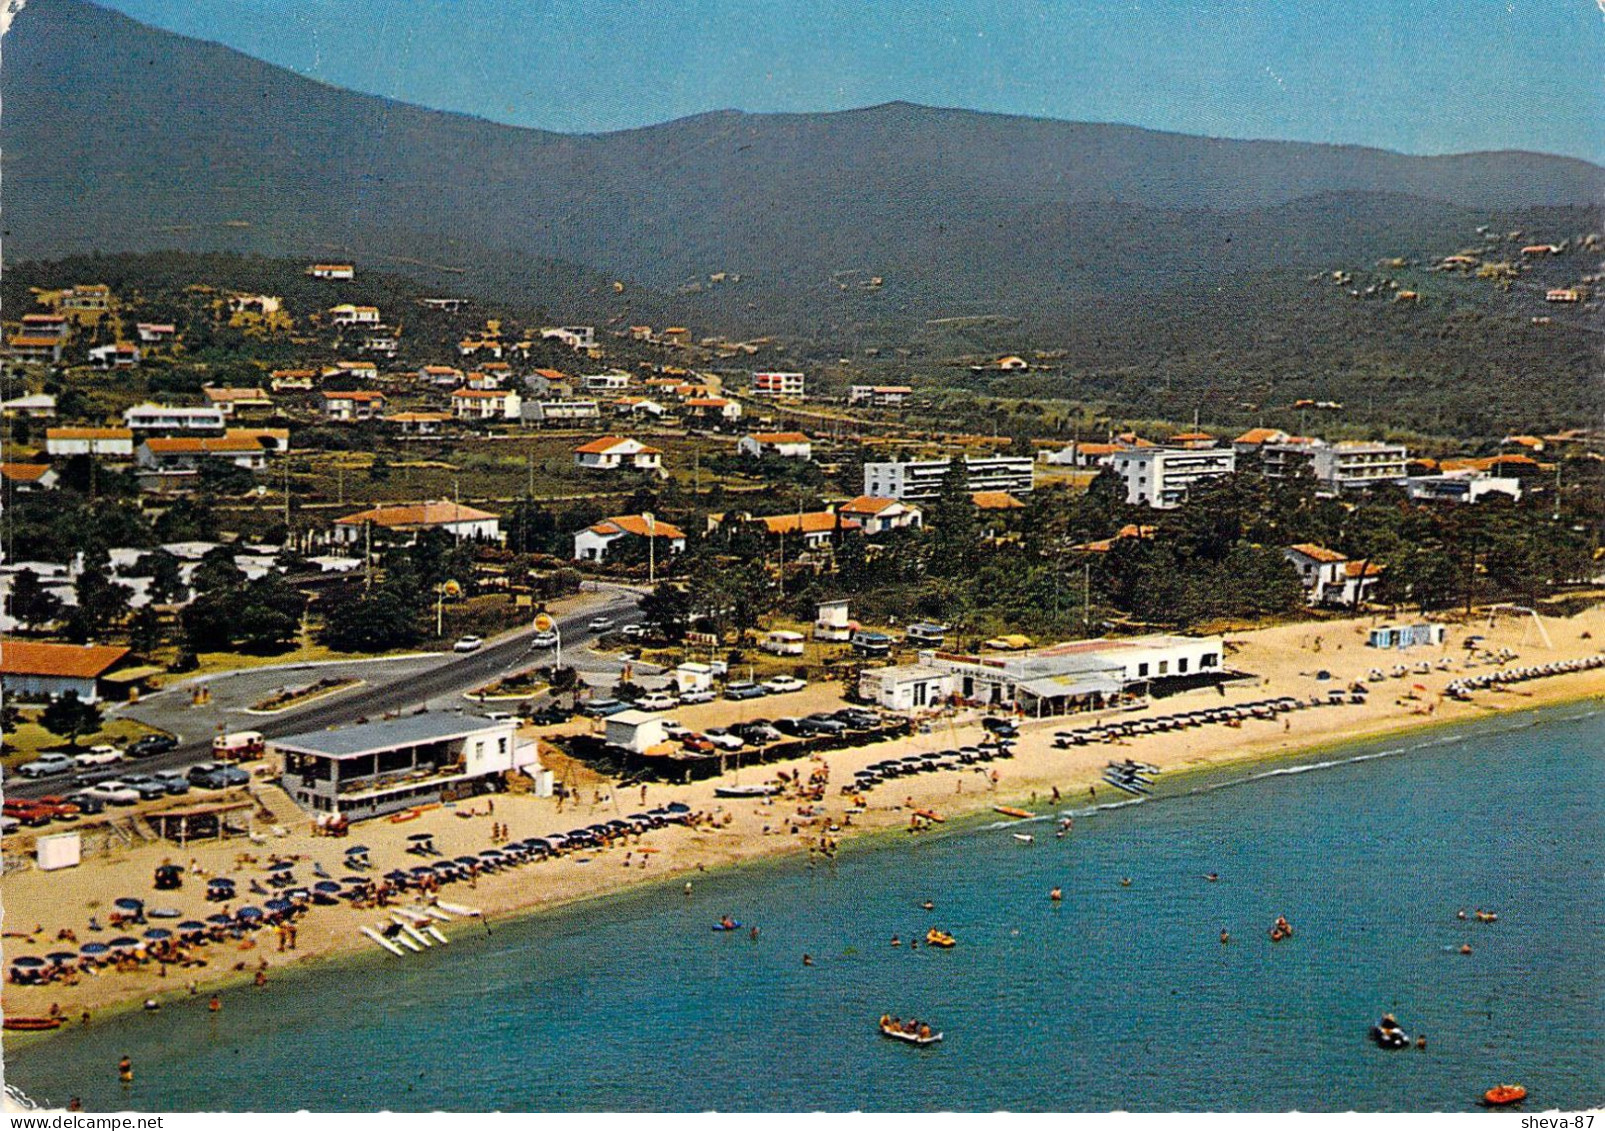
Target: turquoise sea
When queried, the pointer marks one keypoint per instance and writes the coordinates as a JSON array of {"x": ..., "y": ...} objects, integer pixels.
[{"x": 1120, "y": 997}]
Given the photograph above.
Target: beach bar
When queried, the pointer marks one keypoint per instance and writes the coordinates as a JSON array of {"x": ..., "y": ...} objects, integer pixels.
[{"x": 372, "y": 769}]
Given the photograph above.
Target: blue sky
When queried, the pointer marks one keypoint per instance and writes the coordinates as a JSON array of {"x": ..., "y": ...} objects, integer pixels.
[{"x": 1421, "y": 76}]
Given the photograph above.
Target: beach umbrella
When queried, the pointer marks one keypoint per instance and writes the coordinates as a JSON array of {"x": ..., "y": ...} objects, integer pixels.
[
  {"x": 158, "y": 933},
  {"x": 279, "y": 905},
  {"x": 61, "y": 956},
  {"x": 192, "y": 925},
  {"x": 358, "y": 850},
  {"x": 445, "y": 866},
  {"x": 419, "y": 838},
  {"x": 220, "y": 920},
  {"x": 395, "y": 874},
  {"x": 298, "y": 893},
  {"x": 677, "y": 807},
  {"x": 248, "y": 913},
  {"x": 326, "y": 885},
  {"x": 93, "y": 948},
  {"x": 124, "y": 943},
  {"x": 422, "y": 869},
  {"x": 467, "y": 860},
  {"x": 28, "y": 961},
  {"x": 281, "y": 866},
  {"x": 128, "y": 903},
  {"x": 219, "y": 882}
]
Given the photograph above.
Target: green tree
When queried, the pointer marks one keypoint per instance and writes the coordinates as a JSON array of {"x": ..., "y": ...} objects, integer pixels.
[
  {"x": 383, "y": 618},
  {"x": 31, "y": 604},
  {"x": 102, "y": 602},
  {"x": 145, "y": 630},
  {"x": 70, "y": 717}
]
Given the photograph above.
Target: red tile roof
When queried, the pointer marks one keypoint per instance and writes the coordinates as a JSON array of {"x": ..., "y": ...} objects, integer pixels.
[
  {"x": 24, "y": 472},
  {"x": 68, "y": 661},
  {"x": 408, "y": 516},
  {"x": 636, "y": 524},
  {"x": 814, "y": 522},
  {"x": 1319, "y": 553},
  {"x": 996, "y": 501}
]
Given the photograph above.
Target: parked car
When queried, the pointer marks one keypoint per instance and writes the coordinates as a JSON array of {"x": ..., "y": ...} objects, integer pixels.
[
  {"x": 101, "y": 754},
  {"x": 744, "y": 690},
  {"x": 657, "y": 701},
  {"x": 724, "y": 739},
  {"x": 698, "y": 695},
  {"x": 149, "y": 745},
  {"x": 29, "y": 814},
  {"x": 781, "y": 684},
  {"x": 633, "y": 632},
  {"x": 549, "y": 715},
  {"x": 468, "y": 644},
  {"x": 9, "y": 825},
  {"x": 1003, "y": 728},
  {"x": 543, "y": 640},
  {"x": 674, "y": 730},
  {"x": 148, "y": 788},
  {"x": 215, "y": 775},
  {"x": 48, "y": 765},
  {"x": 600, "y": 624},
  {"x": 86, "y": 803},
  {"x": 757, "y": 732},
  {"x": 114, "y": 792},
  {"x": 797, "y": 728},
  {"x": 697, "y": 744},
  {"x": 61, "y": 808},
  {"x": 825, "y": 724},
  {"x": 173, "y": 781}
]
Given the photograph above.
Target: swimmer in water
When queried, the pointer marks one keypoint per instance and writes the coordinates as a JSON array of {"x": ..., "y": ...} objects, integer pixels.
[
  {"x": 1225, "y": 936},
  {"x": 1056, "y": 895}
]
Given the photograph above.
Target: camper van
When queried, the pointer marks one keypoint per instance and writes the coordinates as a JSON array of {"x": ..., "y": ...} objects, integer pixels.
[
  {"x": 932, "y": 634},
  {"x": 241, "y": 746},
  {"x": 867, "y": 643},
  {"x": 783, "y": 643}
]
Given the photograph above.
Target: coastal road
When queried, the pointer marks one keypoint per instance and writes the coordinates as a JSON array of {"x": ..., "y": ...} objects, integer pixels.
[{"x": 390, "y": 685}]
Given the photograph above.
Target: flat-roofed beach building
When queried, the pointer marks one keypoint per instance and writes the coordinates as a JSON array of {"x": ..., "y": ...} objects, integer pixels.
[
  {"x": 372, "y": 769},
  {"x": 922, "y": 479}
]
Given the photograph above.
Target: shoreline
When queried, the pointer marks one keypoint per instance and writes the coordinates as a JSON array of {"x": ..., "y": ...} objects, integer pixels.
[{"x": 747, "y": 832}]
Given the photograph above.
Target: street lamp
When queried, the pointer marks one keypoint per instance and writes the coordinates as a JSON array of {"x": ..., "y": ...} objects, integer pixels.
[{"x": 651, "y": 547}]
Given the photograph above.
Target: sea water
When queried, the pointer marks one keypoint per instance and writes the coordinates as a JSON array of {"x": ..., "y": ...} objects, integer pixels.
[{"x": 1119, "y": 997}]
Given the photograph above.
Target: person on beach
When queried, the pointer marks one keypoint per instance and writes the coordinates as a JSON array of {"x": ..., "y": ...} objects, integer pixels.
[
  {"x": 215, "y": 1005},
  {"x": 261, "y": 979},
  {"x": 75, "y": 1104},
  {"x": 125, "y": 1070}
]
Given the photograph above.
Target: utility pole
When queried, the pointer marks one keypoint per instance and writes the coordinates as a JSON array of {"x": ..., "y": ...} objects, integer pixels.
[
  {"x": 367, "y": 555},
  {"x": 651, "y": 548},
  {"x": 1086, "y": 595}
]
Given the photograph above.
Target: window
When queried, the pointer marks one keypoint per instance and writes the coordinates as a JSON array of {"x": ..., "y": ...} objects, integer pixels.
[
  {"x": 1142, "y": 670},
  {"x": 1181, "y": 666},
  {"x": 1164, "y": 667},
  {"x": 1208, "y": 661}
]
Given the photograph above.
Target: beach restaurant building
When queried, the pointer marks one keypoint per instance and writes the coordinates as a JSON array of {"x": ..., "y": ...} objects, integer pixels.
[
  {"x": 1079, "y": 674},
  {"x": 371, "y": 769}
]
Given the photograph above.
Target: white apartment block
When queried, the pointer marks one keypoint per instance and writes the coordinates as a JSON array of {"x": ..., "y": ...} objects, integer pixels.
[
  {"x": 922, "y": 479},
  {"x": 1161, "y": 477}
]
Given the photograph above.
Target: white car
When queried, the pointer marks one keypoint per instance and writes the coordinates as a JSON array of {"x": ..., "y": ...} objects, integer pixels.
[
  {"x": 633, "y": 632},
  {"x": 657, "y": 701},
  {"x": 103, "y": 754},
  {"x": 600, "y": 624},
  {"x": 114, "y": 792},
  {"x": 674, "y": 730},
  {"x": 543, "y": 640},
  {"x": 723, "y": 739},
  {"x": 784, "y": 683},
  {"x": 468, "y": 644},
  {"x": 700, "y": 695}
]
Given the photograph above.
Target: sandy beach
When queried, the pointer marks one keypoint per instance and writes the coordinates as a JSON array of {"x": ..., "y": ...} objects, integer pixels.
[{"x": 1284, "y": 661}]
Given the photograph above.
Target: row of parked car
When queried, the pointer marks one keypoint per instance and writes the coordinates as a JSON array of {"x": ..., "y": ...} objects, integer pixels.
[
  {"x": 104, "y": 754},
  {"x": 668, "y": 700},
  {"x": 761, "y": 732},
  {"x": 128, "y": 789}
]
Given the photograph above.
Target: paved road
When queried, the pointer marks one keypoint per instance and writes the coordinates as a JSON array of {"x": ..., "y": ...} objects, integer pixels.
[{"x": 391, "y": 688}]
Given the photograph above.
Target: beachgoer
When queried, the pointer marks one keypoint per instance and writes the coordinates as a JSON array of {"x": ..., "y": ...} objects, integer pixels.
[
  {"x": 808, "y": 960},
  {"x": 1225, "y": 936},
  {"x": 83, "y": 1018},
  {"x": 688, "y": 887},
  {"x": 152, "y": 1005},
  {"x": 1125, "y": 881},
  {"x": 896, "y": 941},
  {"x": 1055, "y": 795},
  {"x": 75, "y": 1104},
  {"x": 1421, "y": 1042},
  {"x": 1465, "y": 948},
  {"x": 490, "y": 806},
  {"x": 753, "y": 934},
  {"x": 215, "y": 1005},
  {"x": 261, "y": 979},
  {"x": 125, "y": 1070}
]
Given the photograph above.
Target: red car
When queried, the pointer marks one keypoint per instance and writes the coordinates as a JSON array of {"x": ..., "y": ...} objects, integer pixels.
[
  {"x": 60, "y": 808},
  {"x": 697, "y": 744},
  {"x": 29, "y": 813}
]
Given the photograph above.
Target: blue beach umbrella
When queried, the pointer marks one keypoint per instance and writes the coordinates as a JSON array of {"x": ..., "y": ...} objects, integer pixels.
[
  {"x": 61, "y": 956},
  {"x": 677, "y": 807},
  {"x": 219, "y": 919},
  {"x": 248, "y": 913},
  {"x": 467, "y": 860},
  {"x": 279, "y": 905},
  {"x": 158, "y": 933},
  {"x": 28, "y": 961},
  {"x": 93, "y": 948},
  {"x": 128, "y": 903},
  {"x": 358, "y": 850},
  {"x": 395, "y": 874},
  {"x": 219, "y": 882},
  {"x": 124, "y": 943},
  {"x": 281, "y": 866},
  {"x": 191, "y": 925},
  {"x": 325, "y": 885}
]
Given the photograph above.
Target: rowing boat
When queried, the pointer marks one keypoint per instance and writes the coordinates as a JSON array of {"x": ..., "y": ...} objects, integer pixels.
[
  {"x": 1010, "y": 811},
  {"x": 909, "y": 1038}
]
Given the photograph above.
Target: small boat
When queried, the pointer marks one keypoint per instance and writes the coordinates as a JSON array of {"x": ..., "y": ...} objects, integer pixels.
[
  {"x": 728, "y": 925},
  {"x": 32, "y": 1024},
  {"x": 1023, "y": 838},
  {"x": 459, "y": 909},
  {"x": 1387, "y": 1034},
  {"x": 409, "y": 931},
  {"x": 1504, "y": 1095},
  {"x": 381, "y": 940},
  {"x": 1121, "y": 783},
  {"x": 435, "y": 932},
  {"x": 1010, "y": 811},
  {"x": 940, "y": 939},
  {"x": 929, "y": 815},
  {"x": 922, "y": 1038},
  {"x": 744, "y": 791}
]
